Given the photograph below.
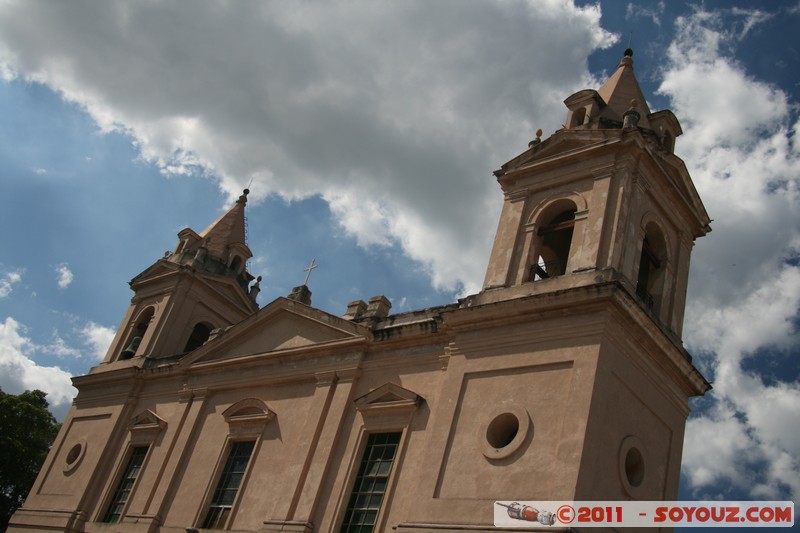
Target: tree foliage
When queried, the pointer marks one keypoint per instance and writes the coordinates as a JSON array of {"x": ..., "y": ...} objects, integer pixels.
[{"x": 27, "y": 430}]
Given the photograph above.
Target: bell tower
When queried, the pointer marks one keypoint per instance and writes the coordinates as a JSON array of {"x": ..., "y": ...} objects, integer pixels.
[
  {"x": 604, "y": 198},
  {"x": 200, "y": 287},
  {"x": 591, "y": 258}
]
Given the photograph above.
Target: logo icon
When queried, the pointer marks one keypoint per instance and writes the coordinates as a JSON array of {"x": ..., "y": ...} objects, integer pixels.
[{"x": 528, "y": 513}]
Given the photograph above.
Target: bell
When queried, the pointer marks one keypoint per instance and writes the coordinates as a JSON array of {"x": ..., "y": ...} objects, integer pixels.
[{"x": 130, "y": 351}]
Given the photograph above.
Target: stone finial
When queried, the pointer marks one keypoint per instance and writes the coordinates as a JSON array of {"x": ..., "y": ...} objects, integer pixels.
[
  {"x": 301, "y": 294},
  {"x": 630, "y": 119},
  {"x": 627, "y": 58},
  {"x": 215, "y": 334},
  {"x": 355, "y": 310},
  {"x": 378, "y": 307},
  {"x": 538, "y": 138},
  {"x": 243, "y": 197}
]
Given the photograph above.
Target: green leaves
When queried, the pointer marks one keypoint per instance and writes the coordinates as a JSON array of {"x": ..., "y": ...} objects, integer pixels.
[{"x": 27, "y": 430}]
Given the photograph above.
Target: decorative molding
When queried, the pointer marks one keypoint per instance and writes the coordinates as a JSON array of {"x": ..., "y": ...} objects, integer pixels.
[
  {"x": 146, "y": 426},
  {"x": 603, "y": 172},
  {"x": 388, "y": 398},
  {"x": 517, "y": 195},
  {"x": 248, "y": 417}
]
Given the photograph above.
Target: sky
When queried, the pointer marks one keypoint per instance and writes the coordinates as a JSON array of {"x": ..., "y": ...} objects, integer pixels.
[{"x": 367, "y": 133}]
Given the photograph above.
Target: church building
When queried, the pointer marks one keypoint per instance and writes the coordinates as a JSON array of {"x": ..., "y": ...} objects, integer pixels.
[{"x": 564, "y": 378}]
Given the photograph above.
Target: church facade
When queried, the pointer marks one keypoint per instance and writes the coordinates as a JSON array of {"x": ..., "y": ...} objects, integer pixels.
[{"x": 563, "y": 379}]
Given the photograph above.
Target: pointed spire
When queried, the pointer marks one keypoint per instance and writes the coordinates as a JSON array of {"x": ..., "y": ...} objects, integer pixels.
[
  {"x": 228, "y": 229},
  {"x": 620, "y": 89}
]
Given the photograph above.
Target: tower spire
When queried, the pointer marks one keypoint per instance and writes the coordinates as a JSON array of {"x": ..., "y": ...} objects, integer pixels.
[
  {"x": 620, "y": 89},
  {"x": 227, "y": 230}
]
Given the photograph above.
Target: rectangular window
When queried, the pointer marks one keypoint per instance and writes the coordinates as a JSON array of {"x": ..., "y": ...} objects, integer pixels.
[
  {"x": 228, "y": 485},
  {"x": 370, "y": 484},
  {"x": 125, "y": 486}
]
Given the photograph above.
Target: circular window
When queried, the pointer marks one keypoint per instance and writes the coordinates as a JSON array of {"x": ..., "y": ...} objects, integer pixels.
[
  {"x": 74, "y": 456},
  {"x": 632, "y": 465},
  {"x": 504, "y": 433},
  {"x": 502, "y": 430},
  {"x": 74, "y": 453}
]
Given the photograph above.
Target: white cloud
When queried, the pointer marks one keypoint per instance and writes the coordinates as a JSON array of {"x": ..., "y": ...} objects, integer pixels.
[
  {"x": 374, "y": 107},
  {"x": 751, "y": 18},
  {"x": 98, "y": 338},
  {"x": 7, "y": 282},
  {"x": 59, "y": 348},
  {"x": 65, "y": 275},
  {"x": 19, "y": 372},
  {"x": 635, "y": 11},
  {"x": 745, "y": 289}
]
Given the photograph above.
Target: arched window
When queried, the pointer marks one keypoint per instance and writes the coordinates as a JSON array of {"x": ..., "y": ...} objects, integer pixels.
[
  {"x": 652, "y": 265},
  {"x": 142, "y": 323},
  {"x": 578, "y": 117},
  {"x": 236, "y": 264},
  {"x": 246, "y": 422},
  {"x": 554, "y": 240},
  {"x": 199, "y": 336}
]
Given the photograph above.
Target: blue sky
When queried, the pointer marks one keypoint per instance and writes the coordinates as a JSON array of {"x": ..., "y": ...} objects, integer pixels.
[{"x": 368, "y": 137}]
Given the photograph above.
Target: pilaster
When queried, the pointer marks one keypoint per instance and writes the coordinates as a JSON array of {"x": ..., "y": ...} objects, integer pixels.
[
  {"x": 500, "y": 270},
  {"x": 311, "y": 459}
]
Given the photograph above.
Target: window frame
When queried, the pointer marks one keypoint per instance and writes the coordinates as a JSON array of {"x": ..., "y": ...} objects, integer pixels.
[
  {"x": 357, "y": 476},
  {"x": 219, "y": 472},
  {"x": 246, "y": 420},
  {"x": 143, "y": 429},
  {"x": 119, "y": 479},
  {"x": 387, "y": 409}
]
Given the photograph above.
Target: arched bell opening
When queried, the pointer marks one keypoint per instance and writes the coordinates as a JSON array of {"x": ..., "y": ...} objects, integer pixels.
[
  {"x": 652, "y": 267},
  {"x": 137, "y": 333},
  {"x": 553, "y": 241},
  {"x": 198, "y": 337}
]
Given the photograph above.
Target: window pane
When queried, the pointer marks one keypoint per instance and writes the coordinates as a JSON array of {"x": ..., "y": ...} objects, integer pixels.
[
  {"x": 228, "y": 485},
  {"x": 125, "y": 486},
  {"x": 370, "y": 483}
]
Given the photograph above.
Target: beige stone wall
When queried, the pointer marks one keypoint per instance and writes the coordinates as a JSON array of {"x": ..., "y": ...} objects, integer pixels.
[{"x": 580, "y": 371}]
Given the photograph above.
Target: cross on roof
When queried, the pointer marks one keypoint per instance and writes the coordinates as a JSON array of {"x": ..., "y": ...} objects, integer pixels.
[{"x": 309, "y": 268}]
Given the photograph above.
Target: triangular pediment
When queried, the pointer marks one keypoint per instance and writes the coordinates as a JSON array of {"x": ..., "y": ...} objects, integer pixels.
[
  {"x": 561, "y": 143},
  {"x": 162, "y": 275},
  {"x": 283, "y": 325},
  {"x": 388, "y": 395},
  {"x": 157, "y": 270},
  {"x": 147, "y": 420}
]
